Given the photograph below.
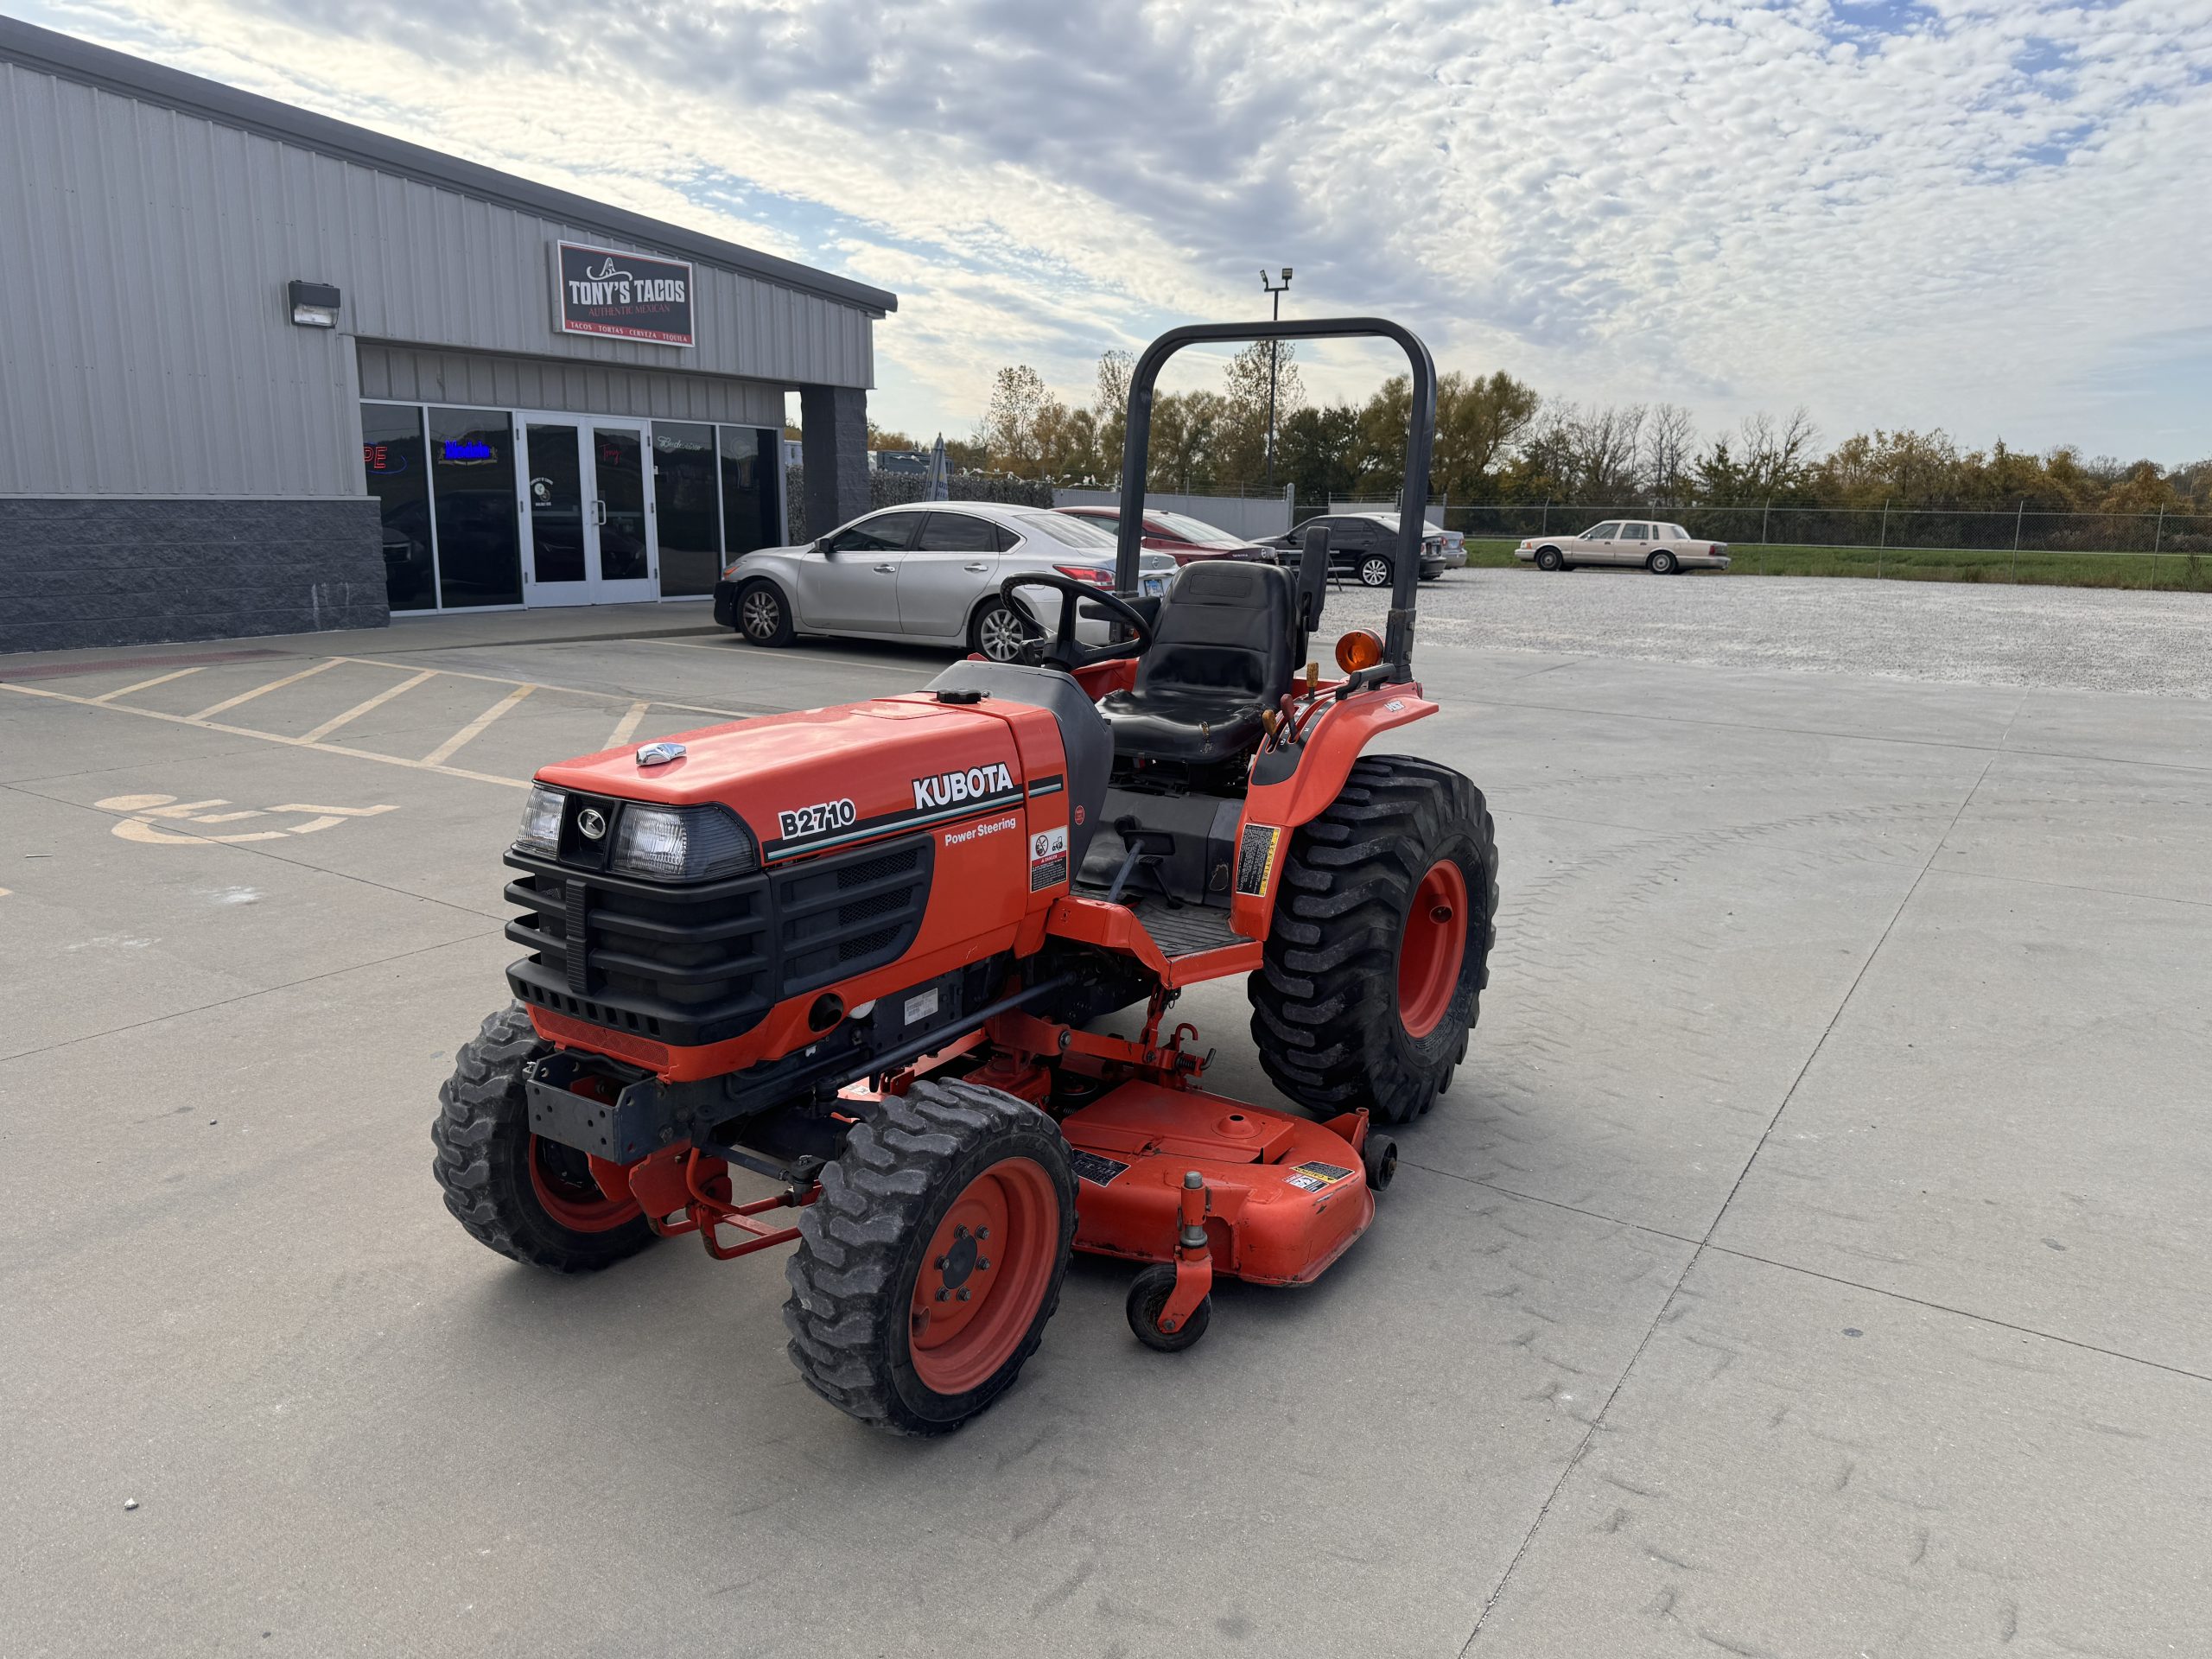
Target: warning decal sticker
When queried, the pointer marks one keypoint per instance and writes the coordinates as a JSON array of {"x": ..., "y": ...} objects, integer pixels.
[
  {"x": 1048, "y": 859},
  {"x": 1313, "y": 1178},
  {"x": 1254, "y": 855},
  {"x": 1095, "y": 1167}
]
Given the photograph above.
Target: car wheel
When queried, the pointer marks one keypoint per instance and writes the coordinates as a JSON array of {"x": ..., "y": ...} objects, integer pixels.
[
  {"x": 998, "y": 631},
  {"x": 1374, "y": 571},
  {"x": 764, "y": 615},
  {"x": 1662, "y": 563},
  {"x": 1548, "y": 559}
]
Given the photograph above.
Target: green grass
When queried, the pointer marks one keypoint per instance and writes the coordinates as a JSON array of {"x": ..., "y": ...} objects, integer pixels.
[{"x": 2162, "y": 572}]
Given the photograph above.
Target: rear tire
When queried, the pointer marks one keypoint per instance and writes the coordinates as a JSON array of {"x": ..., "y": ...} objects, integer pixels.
[
  {"x": 1663, "y": 563},
  {"x": 764, "y": 615},
  {"x": 950, "y": 1187},
  {"x": 1380, "y": 945},
  {"x": 998, "y": 631},
  {"x": 530, "y": 1199}
]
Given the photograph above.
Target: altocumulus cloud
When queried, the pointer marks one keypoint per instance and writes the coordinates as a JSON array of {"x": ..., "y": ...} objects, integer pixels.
[{"x": 1986, "y": 215}]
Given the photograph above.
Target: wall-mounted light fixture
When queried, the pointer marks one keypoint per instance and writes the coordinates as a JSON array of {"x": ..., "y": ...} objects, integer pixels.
[{"x": 315, "y": 305}]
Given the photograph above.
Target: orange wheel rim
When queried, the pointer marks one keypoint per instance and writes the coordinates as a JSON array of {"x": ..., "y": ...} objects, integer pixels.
[
  {"x": 1434, "y": 945},
  {"x": 561, "y": 1177},
  {"x": 997, "y": 1243}
]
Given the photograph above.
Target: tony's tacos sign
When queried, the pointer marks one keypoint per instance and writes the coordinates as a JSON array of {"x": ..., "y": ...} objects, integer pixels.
[{"x": 625, "y": 296}]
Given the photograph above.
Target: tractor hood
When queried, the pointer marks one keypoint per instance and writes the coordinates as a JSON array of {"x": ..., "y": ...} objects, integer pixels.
[{"x": 824, "y": 778}]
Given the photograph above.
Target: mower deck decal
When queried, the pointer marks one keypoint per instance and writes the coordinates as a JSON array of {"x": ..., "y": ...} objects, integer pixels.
[
  {"x": 1313, "y": 1177},
  {"x": 889, "y": 823},
  {"x": 1095, "y": 1167}
]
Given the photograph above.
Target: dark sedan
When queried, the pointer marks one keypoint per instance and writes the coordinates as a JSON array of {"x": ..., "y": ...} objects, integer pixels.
[{"x": 1361, "y": 545}]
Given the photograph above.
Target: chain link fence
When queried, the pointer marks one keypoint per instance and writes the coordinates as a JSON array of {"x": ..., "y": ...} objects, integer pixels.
[{"x": 2133, "y": 549}]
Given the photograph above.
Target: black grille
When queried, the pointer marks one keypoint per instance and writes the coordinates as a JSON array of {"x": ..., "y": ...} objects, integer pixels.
[{"x": 700, "y": 963}]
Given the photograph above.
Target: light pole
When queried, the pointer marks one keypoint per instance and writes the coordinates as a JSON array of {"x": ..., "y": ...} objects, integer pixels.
[{"x": 1276, "y": 291}]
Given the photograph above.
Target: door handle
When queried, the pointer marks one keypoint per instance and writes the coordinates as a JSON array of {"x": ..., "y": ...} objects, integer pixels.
[
  {"x": 886, "y": 569},
  {"x": 979, "y": 567},
  {"x": 599, "y": 509}
]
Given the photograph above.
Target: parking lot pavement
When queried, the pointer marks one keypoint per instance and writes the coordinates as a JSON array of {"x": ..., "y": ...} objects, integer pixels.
[{"x": 1809, "y": 1260}]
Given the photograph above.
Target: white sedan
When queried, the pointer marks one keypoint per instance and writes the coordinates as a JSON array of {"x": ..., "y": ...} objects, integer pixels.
[
  {"x": 928, "y": 572},
  {"x": 1661, "y": 549}
]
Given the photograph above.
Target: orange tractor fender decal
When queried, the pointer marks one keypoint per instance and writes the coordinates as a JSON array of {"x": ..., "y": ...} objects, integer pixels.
[{"x": 1314, "y": 769}]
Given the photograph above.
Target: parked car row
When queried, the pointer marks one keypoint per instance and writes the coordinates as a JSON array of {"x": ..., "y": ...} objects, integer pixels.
[
  {"x": 1661, "y": 548},
  {"x": 929, "y": 572}
]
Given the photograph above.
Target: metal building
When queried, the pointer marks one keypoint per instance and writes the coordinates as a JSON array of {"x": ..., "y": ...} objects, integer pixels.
[{"x": 263, "y": 371}]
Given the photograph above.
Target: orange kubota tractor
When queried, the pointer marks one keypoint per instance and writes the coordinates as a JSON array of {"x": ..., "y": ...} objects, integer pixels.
[{"x": 860, "y": 950}]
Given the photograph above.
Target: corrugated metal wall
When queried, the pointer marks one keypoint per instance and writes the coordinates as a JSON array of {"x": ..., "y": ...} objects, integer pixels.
[
  {"x": 415, "y": 375},
  {"x": 145, "y": 344}
]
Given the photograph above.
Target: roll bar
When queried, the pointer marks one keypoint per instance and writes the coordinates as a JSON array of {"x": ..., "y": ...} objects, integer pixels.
[{"x": 1413, "y": 504}]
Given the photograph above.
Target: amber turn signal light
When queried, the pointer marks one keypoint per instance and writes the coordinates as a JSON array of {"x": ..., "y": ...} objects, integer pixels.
[{"x": 1361, "y": 648}]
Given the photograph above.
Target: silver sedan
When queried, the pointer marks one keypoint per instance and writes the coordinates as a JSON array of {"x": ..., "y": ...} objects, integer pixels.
[
  {"x": 929, "y": 573},
  {"x": 1661, "y": 548}
]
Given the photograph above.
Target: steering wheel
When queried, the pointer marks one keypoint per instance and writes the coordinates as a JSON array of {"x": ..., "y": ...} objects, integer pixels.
[{"x": 1062, "y": 652}]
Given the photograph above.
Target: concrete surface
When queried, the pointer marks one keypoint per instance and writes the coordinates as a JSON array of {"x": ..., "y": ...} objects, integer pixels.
[
  {"x": 1967, "y": 634},
  {"x": 1811, "y": 1259}
]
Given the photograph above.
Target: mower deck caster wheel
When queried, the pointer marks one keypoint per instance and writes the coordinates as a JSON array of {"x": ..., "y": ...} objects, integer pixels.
[
  {"x": 1148, "y": 1294},
  {"x": 1379, "y": 1157}
]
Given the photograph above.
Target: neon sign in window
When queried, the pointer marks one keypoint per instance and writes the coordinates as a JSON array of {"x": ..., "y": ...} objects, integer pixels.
[{"x": 466, "y": 449}]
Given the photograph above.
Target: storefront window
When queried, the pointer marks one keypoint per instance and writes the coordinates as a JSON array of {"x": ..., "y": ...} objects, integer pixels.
[
  {"x": 473, "y": 479},
  {"x": 685, "y": 505},
  {"x": 391, "y": 459},
  {"x": 752, "y": 502}
]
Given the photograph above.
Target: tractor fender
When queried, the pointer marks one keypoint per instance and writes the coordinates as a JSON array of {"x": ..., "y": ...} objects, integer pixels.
[{"x": 1293, "y": 784}]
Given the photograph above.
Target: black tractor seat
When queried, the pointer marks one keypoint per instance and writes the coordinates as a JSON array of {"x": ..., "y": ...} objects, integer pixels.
[{"x": 1225, "y": 648}]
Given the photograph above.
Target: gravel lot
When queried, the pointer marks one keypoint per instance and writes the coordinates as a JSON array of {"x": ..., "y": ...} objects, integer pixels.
[{"x": 2080, "y": 638}]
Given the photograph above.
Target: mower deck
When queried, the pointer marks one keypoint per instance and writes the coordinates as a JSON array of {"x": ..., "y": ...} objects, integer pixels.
[{"x": 1285, "y": 1196}]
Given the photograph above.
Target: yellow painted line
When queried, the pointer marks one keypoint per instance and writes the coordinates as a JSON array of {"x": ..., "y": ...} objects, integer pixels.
[
  {"x": 565, "y": 690},
  {"x": 447, "y": 750},
  {"x": 627, "y": 727},
  {"x": 361, "y": 709},
  {"x": 229, "y": 703},
  {"x": 126, "y": 691},
  {"x": 269, "y": 737}
]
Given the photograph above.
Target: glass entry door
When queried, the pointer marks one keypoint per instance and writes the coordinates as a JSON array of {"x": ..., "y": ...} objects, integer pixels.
[
  {"x": 629, "y": 566},
  {"x": 589, "y": 512}
]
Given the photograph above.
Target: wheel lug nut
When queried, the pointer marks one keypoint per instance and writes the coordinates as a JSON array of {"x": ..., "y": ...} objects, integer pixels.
[
  {"x": 982, "y": 1264},
  {"x": 943, "y": 1295},
  {"x": 982, "y": 1235},
  {"x": 963, "y": 1293},
  {"x": 960, "y": 1232},
  {"x": 942, "y": 1263}
]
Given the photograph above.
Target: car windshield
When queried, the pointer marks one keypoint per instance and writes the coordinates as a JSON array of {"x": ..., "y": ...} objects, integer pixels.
[
  {"x": 1074, "y": 533},
  {"x": 1195, "y": 531}
]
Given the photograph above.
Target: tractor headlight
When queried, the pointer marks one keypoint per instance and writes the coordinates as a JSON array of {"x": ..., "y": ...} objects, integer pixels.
[
  {"x": 540, "y": 821},
  {"x": 681, "y": 844}
]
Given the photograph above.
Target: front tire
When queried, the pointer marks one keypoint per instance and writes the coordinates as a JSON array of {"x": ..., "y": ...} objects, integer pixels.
[
  {"x": 764, "y": 615},
  {"x": 1374, "y": 571},
  {"x": 928, "y": 1268},
  {"x": 1380, "y": 946},
  {"x": 530, "y": 1199},
  {"x": 1548, "y": 559}
]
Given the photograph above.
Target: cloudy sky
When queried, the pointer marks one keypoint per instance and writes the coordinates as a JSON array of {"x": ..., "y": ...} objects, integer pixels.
[{"x": 1994, "y": 217}]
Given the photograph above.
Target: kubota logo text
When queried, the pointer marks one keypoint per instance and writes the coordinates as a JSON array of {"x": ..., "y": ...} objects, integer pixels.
[{"x": 950, "y": 788}]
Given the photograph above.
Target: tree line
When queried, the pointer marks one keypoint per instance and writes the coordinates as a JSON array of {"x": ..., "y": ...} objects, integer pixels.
[{"x": 1499, "y": 442}]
